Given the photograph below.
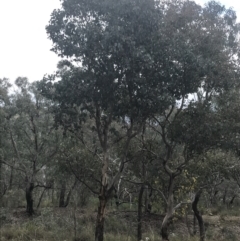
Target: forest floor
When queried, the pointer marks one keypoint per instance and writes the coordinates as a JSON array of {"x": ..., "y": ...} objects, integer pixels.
[{"x": 68, "y": 224}]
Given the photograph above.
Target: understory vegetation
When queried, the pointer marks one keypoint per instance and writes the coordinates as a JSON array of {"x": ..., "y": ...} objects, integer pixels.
[{"x": 77, "y": 224}]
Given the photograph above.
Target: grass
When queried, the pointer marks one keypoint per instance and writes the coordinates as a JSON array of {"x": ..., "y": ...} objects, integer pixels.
[{"x": 57, "y": 224}]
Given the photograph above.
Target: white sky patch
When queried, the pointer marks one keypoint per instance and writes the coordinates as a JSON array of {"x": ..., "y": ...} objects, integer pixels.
[{"x": 24, "y": 47}]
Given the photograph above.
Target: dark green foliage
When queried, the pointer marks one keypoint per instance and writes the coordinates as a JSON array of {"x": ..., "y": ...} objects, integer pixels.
[{"x": 136, "y": 57}]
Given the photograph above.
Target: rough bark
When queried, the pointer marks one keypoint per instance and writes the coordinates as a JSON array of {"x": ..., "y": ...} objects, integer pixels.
[
  {"x": 198, "y": 215},
  {"x": 101, "y": 215},
  {"x": 29, "y": 198}
]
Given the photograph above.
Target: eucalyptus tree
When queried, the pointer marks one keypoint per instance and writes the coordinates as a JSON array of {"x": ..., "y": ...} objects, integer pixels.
[
  {"x": 206, "y": 173},
  {"x": 33, "y": 140},
  {"x": 209, "y": 131},
  {"x": 203, "y": 57},
  {"x": 129, "y": 61},
  {"x": 110, "y": 77}
]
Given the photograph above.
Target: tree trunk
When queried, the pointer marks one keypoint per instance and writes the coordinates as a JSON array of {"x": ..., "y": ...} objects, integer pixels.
[
  {"x": 139, "y": 230},
  {"x": 146, "y": 201},
  {"x": 62, "y": 194},
  {"x": 52, "y": 195},
  {"x": 214, "y": 197},
  {"x": 165, "y": 232},
  {"x": 101, "y": 215},
  {"x": 29, "y": 199},
  {"x": 170, "y": 211},
  {"x": 225, "y": 195},
  {"x": 232, "y": 200},
  {"x": 198, "y": 215},
  {"x": 69, "y": 193},
  {"x": 11, "y": 179},
  {"x": 106, "y": 188},
  {"x": 40, "y": 199},
  {"x": 194, "y": 225},
  {"x": 187, "y": 224}
]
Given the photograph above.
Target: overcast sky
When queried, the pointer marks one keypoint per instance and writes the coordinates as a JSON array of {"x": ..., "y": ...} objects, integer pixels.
[{"x": 24, "y": 47}]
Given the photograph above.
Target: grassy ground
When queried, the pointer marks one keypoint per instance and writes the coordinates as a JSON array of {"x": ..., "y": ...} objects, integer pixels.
[{"x": 67, "y": 224}]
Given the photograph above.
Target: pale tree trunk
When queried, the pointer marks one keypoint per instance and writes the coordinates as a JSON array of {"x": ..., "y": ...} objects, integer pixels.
[
  {"x": 103, "y": 199},
  {"x": 169, "y": 212},
  {"x": 106, "y": 188},
  {"x": 102, "y": 131},
  {"x": 106, "y": 191},
  {"x": 198, "y": 214}
]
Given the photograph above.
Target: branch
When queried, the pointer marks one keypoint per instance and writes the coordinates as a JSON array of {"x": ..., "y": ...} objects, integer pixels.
[
  {"x": 133, "y": 182},
  {"x": 42, "y": 185},
  {"x": 98, "y": 124},
  {"x": 16, "y": 168},
  {"x": 163, "y": 196},
  {"x": 80, "y": 180},
  {"x": 124, "y": 158},
  {"x": 180, "y": 204},
  {"x": 15, "y": 147},
  {"x": 169, "y": 114}
]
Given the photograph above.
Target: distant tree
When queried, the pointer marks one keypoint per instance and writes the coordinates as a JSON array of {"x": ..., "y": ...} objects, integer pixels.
[{"x": 4, "y": 103}]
